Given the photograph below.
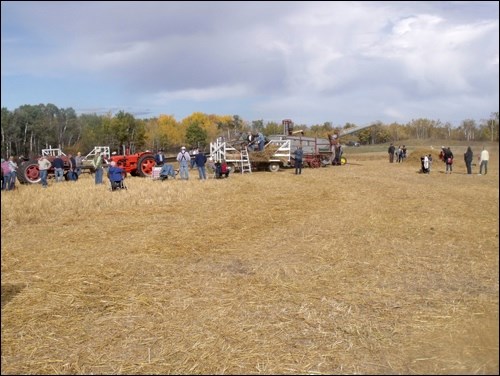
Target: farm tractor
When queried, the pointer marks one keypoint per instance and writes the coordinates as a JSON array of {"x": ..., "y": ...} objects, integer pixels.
[
  {"x": 28, "y": 173},
  {"x": 135, "y": 164}
]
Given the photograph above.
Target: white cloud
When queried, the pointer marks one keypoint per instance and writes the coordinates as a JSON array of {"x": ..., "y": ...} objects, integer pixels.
[{"x": 321, "y": 61}]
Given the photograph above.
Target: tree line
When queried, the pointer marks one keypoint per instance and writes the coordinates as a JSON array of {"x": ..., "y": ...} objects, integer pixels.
[{"x": 30, "y": 128}]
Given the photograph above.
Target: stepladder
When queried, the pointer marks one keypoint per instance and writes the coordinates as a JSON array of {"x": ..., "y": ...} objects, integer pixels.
[{"x": 245, "y": 161}]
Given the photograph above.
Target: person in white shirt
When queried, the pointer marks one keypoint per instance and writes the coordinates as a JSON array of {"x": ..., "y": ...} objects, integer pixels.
[{"x": 483, "y": 159}]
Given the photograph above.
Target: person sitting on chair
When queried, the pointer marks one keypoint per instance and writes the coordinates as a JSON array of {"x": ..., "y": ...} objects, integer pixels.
[
  {"x": 115, "y": 176},
  {"x": 166, "y": 171},
  {"x": 224, "y": 170}
]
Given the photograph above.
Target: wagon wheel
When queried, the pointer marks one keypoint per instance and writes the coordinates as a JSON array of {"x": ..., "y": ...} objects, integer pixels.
[
  {"x": 343, "y": 161},
  {"x": 274, "y": 167},
  {"x": 145, "y": 165},
  {"x": 234, "y": 167},
  {"x": 315, "y": 163}
]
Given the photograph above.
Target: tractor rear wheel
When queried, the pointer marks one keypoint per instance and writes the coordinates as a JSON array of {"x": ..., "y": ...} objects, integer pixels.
[
  {"x": 28, "y": 172},
  {"x": 145, "y": 165}
]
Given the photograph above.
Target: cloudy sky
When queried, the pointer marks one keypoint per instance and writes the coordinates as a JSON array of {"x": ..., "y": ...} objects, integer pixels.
[{"x": 312, "y": 62}]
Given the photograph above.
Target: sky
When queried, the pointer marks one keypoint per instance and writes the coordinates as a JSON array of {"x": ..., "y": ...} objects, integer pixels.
[{"x": 312, "y": 62}]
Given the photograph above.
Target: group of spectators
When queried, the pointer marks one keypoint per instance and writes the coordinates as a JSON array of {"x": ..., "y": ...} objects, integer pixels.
[
  {"x": 193, "y": 158},
  {"x": 400, "y": 153},
  {"x": 9, "y": 173},
  {"x": 483, "y": 159},
  {"x": 446, "y": 155}
]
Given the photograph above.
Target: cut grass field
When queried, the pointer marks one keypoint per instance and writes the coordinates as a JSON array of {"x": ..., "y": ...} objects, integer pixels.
[{"x": 367, "y": 268}]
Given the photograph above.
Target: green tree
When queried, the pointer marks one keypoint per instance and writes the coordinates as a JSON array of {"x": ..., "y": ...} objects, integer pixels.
[
  {"x": 127, "y": 131},
  {"x": 273, "y": 128},
  {"x": 196, "y": 136}
]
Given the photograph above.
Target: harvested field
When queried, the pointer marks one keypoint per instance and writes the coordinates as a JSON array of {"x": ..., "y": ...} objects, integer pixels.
[{"x": 366, "y": 268}]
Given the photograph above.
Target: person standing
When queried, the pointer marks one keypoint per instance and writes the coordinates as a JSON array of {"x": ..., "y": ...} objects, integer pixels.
[
  {"x": 391, "y": 152},
  {"x": 72, "y": 168},
  {"x": 399, "y": 154},
  {"x": 78, "y": 164},
  {"x": 105, "y": 164},
  {"x": 97, "y": 162},
  {"x": 58, "y": 165},
  {"x": 262, "y": 140},
  {"x": 448, "y": 160},
  {"x": 13, "y": 173},
  {"x": 5, "y": 175},
  {"x": 193, "y": 153},
  {"x": 200, "y": 159},
  {"x": 484, "y": 157},
  {"x": 43, "y": 166},
  {"x": 183, "y": 158},
  {"x": 298, "y": 154},
  {"x": 468, "y": 160}
]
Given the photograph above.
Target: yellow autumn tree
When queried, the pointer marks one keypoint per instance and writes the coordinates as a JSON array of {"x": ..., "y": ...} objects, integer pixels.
[
  {"x": 164, "y": 133},
  {"x": 209, "y": 123}
]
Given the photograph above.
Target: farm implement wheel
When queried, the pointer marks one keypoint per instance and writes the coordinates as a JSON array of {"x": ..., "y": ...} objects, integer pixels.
[
  {"x": 28, "y": 173},
  {"x": 145, "y": 165},
  {"x": 315, "y": 163},
  {"x": 274, "y": 167},
  {"x": 235, "y": 167}
]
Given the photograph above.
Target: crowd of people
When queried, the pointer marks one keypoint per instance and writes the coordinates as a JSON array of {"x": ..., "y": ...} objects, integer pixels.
[
  {"x": 103, "y": 166},
  {"x": 9, "y": 173}
]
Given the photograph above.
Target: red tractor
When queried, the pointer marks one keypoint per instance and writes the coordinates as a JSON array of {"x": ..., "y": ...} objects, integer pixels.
[
  {"x": 28, "y": 173},
  {"x": 137, "y": 164}
]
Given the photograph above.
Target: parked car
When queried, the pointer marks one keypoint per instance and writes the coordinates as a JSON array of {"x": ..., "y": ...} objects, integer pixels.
[{"x": 353, "y": 143}]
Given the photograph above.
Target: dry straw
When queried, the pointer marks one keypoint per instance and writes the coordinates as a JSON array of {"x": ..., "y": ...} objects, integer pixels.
[{"x": 368, "y": 268}]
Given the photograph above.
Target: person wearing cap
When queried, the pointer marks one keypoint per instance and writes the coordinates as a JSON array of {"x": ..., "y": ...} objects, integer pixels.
[
  {"x": 200, "y": 159},
  {"x": 183, "y": 158}
]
